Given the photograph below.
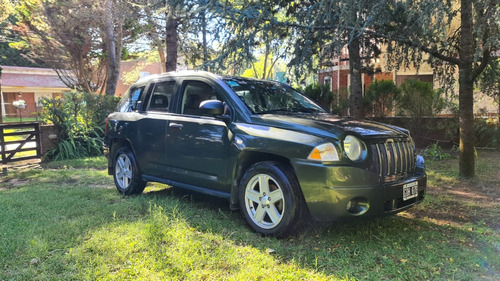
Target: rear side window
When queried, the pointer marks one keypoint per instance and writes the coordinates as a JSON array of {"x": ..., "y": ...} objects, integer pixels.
[
  {"x": 161, "y": 98},
  {"x": 130, "y": 99}
]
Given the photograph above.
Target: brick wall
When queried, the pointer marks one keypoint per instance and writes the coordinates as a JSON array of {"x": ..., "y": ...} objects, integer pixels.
[
  {"x": 46, "y": 133},
  {"x": 427, "y": 130}
]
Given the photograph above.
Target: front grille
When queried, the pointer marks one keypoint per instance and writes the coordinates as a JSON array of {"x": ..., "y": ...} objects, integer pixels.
[{"x": 393, "y": 159}]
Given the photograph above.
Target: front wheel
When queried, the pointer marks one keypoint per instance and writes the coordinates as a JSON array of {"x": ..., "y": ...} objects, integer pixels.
[
  {"x": 270, "y": 198},
  {"x": 126, "y": 173}
]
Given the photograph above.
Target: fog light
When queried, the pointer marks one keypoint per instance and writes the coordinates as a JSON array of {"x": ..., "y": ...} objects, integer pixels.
[{"x": 358, "y": 206}]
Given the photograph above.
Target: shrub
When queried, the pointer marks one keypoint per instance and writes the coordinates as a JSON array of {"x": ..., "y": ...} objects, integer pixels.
[
  {"x": 418, "y": 99},
  {"x": 380, "y": 96},
  {"x": 321, "y": 94},
  {"x": 487, "y": 132},
  {"x": 79, "y": 120},
  {"x": 435, "y": 152},
  {"x": 332, "y": 101}
]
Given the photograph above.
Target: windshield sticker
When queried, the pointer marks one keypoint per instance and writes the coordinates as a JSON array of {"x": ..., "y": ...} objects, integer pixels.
[{"x": 232, "y": 83}]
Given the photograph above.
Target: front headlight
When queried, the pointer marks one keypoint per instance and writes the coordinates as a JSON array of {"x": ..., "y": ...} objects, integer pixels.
[
  {"x": 324, "y": 152},
  {"x": 354, "y": 148}
]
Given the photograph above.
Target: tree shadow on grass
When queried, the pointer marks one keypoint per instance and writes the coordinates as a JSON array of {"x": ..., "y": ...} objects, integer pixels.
[
  {"x": 387, "y": 247},
  {"x": 93, "y": 225}
]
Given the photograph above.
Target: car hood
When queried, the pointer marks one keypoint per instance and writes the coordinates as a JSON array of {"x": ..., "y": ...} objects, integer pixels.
[{"x": 328, "y": 125}]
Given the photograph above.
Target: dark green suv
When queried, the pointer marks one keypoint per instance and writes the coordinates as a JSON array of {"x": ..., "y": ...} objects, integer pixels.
[{"x": 272, "y": 152}]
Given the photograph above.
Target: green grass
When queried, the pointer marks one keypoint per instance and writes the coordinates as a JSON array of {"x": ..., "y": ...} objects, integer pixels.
[
  {"x": 17, "y": 119},
  {"x": 67, "y": 221}
]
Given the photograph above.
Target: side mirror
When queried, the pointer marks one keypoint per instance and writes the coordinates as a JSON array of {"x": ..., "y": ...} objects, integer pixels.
[
  {"x": 138, "y": 106},
  {"x": 212, "y": 108}
]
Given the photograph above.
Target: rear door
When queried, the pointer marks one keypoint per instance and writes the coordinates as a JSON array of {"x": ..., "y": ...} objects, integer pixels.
[
  {"x": 152, "y": 127},
  {"x": 197, "y": 145}
]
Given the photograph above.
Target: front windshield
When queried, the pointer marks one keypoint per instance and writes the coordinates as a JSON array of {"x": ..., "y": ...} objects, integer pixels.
[{"x": 271, "y": 97}]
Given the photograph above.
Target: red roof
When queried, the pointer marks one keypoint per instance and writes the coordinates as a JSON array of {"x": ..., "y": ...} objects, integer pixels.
[
  {"x": 32, "y": 80},
  {"x": 17, "y": 76}
]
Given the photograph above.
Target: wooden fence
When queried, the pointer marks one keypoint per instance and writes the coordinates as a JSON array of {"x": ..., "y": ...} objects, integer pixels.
[{"x": 21, "y": 139}]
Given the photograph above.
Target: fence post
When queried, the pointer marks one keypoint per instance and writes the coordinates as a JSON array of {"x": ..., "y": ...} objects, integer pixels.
[{"x": 2, "y": 147}]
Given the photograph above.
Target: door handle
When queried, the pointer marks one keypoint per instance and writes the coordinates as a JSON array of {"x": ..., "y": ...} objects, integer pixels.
[{"x": 175, "y": 126}]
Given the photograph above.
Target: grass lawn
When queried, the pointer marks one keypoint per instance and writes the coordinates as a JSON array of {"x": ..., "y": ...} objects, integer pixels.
[
  {"x": 66, "y": 221},
  {"x": 18, "y": 119}
]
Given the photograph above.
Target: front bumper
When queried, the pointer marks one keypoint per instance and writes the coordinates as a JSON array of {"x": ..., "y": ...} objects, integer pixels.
[{"x": 331, "y": 191}]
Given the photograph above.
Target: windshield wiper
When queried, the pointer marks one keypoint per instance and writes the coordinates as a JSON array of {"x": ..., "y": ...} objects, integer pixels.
[
  {"x": 281, "y": 110},
  {"x": 305, "y": 109},
  {"x": 290, "y": 110}
]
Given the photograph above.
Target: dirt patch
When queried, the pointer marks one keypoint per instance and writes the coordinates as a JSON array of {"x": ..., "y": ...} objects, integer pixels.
[
  {"x": 463, "y": 202},
  {"x": 17, "y": 166},
  {"x": 11, "y": 183}
]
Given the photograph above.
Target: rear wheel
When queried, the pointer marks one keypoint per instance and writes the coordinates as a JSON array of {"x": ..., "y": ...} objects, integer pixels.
[
  {"x": 270, "y": 198},
  {"x": 126, "y": 173}
]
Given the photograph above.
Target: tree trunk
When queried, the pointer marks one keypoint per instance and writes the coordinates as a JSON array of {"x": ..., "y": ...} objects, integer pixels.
[
  {"x": 355, "y": 65},
  {"x": 172, "y": 43},
  {"x": 159, "y": 45},
  {"x": 496, "y": 98},
  {"x": 265, "y": 61},
  {"x": 204, "y": 34},
  {"x": 113, "y": 54},
  {"x": 466, "y": 92}
]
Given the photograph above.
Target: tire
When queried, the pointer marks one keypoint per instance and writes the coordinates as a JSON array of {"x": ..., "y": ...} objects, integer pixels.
[
  {"x": 270, "y": 198},
  {"x": 126, "y": 173}
]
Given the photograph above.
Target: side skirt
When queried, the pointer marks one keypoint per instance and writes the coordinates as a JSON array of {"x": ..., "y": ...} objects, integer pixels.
[{"x": 203, "y": 190}]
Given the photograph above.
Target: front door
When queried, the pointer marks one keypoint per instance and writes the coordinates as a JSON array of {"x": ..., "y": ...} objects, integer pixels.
[{"x": 197, "y": 145}]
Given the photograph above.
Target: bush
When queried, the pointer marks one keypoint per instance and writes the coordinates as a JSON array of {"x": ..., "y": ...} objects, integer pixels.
[
  {"x": 418, "y": 99},
  {"x": 331, "y": 101},
  {"x": 321, "y": 94},
  {"x": 487, "y": 132},
  {"x": 79, "y": 120},
  {"x": 435, "y": 152},
  {"x": 380, "y": 96}
]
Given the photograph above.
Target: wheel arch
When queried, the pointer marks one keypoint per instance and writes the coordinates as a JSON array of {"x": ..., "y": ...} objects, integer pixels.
[
  {"x": 114, "y": 145},
  {"x": 245, "y": 160}
]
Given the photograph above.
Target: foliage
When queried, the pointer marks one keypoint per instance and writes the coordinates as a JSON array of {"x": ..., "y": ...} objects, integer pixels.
[
  {"x": 257, "y": 70},
  {"x": 331, "y": 101},
  {"x": 487, "y": 132},
  {"x": 321, "y": 94},
  {"x": 435, "y": 152},
  {"x": 380, "y": 97},
  {"x": 67, "y": 222},
  {"x": 80, "y": 39},
  {"x": 490, "y": 82},
  {"x": 418, "y": 99},
  {"x": 79, "y": 120},
  {"x": 6, "y": 8},
  {"x": 8, "y": 55},
  {"x": 456, "y": 35}
]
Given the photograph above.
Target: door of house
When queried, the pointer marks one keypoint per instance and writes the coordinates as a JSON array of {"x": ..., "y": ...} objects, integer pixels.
[
  {"x": 12, "y": 111},
  {"x": 8, "y": 100}
]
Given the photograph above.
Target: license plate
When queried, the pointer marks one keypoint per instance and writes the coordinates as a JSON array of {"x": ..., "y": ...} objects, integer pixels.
[{"x": 410, "y": 190}]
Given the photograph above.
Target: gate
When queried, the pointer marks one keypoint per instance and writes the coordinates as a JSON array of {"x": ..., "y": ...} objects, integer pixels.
[{"x": 22, "y": 139}]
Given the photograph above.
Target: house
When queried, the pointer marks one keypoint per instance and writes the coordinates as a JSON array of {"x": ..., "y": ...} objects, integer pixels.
[
  {"x": 30, "y": 84},
  {"x": 132, "y": 70},
  {"x": 27, "y": 84},
  {"x": 335, "y": 72}
]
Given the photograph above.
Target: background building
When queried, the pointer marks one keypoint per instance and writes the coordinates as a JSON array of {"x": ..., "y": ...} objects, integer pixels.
[{"x": 30, "y": 85}]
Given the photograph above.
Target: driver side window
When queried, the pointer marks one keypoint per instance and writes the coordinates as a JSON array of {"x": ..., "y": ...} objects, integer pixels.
[{"x": 195, "y": 92}]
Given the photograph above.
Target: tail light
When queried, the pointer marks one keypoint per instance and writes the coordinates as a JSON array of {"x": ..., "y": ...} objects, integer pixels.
[{"x": 106, "y": 126}]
